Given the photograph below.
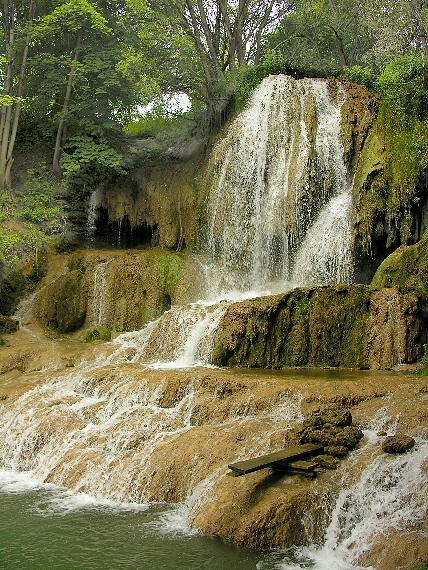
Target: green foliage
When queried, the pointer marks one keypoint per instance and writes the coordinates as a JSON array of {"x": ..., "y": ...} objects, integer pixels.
[
  {"x": 421, "y": 566},
  {"x": 39, "y": 202},
  {"x": 399, "y": 146},
  {"x": 360, "y": 75},
  {"x": 99, "y": 333},
  {"x": 404, "y": 87},
  {"x": 69, "y": 17},
  {"x": 7, "y": 325},
  {"x": 85, "y": 155},
  {"x": 12, "y": 287},
  {"x": 423, "y": 371},
  {"x": 164, "y": 130}
]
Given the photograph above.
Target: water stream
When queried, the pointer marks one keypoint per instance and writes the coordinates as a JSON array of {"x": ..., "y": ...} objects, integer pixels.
[{"x": 91, "y": 455}]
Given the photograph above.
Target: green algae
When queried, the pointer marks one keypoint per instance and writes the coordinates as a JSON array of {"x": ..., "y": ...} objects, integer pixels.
[{"x": 316, "y": 326}]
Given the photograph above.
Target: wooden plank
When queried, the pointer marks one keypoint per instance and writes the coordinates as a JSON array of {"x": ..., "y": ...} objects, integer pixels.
[{"x": 286, "y": 455}]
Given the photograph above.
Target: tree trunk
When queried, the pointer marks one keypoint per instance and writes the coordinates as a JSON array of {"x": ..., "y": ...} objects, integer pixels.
[
  {"x": 62, "y": 127},
  {"x": 11, "y": 145},
  {"x": 6, "y": 111}
]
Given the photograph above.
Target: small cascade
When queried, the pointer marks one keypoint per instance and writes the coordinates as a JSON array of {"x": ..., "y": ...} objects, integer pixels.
[
  {"x": 111, "y": 432},
  {"x": 326, "y": 254},
  {"x": 99, "y": 294},
  {"x": 280, "y": 163},
  {"x": 93, "y": 211},
  {"x": 383, "y": 497},
  {"x": 181, "y": 338}
]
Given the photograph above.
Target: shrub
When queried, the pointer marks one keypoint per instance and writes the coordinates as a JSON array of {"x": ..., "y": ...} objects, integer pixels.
[
  {"x": 423, "y": 365},
  {"x": 360, "y": 75},
  {"x": 403, "y": 85},
  {"x": 97, "y": 333}
]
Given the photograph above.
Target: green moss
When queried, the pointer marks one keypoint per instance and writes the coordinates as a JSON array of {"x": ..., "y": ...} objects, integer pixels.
[
  {"x": 7, "y": 325},
  {"x": 98, "y": 333},
  {"x": 391, "y": 176},
  {"x": 406, "y": 268},
  {"x": 170, "y": 272},
  {"x": 421, "y": 566}
]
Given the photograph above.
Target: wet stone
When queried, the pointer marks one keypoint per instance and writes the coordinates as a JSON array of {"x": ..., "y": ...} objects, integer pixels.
[
  {"x": 398, "y": 444},
  {"x": 327, "y": 461},
  {"x": 337, "y": 450}
]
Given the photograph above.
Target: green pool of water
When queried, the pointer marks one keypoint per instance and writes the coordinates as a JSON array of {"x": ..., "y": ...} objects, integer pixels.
[{"x": 48, "y": 528}]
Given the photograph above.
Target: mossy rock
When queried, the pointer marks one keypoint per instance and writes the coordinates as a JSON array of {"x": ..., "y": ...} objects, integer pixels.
[
  {"x": 316, "y": 326},
  {"x": 7, "y": 325},
  {"x": 62, "y": 304},
  {"x": 406, "y": 268},
  {"x": 97, "y": 333}
]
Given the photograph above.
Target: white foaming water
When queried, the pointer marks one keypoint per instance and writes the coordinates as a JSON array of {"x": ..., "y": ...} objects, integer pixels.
[
  {"x": 326, "y": 253},
  {"x": 280, "y": 163},
  {"x": 93, "y": 210},
  {"x": 59, "y": 501},
  {"x": 99, "y": 294}
]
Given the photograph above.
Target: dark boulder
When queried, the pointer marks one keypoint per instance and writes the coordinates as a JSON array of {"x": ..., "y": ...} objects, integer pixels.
[{"x": 398, "y": 444}]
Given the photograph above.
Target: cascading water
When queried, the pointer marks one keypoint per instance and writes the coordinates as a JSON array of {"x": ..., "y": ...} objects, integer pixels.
[
  {"x": 281, "y": 202},
  {"x": 124, "y": 428},
  {"x": 275, "y": 175}
]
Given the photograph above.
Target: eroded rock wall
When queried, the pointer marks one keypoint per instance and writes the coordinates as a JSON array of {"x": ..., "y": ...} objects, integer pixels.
[
  {"x": 347, "y": 326},
  {"x": 120, "y": 289}
]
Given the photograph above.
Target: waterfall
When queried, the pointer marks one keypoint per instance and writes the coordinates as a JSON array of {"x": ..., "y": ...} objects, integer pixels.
[
  {"x": 93, "y": 211},
  {"x": 278, "y": 180},
  {"x": 280, "y": 214},
  {"x": 99, "y": 294},
  {"x": 181, "y": 338},
  {"x": 126, "y": 428}
]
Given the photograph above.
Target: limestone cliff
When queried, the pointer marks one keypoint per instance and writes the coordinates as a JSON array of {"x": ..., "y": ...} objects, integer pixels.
[
  {"x": 122, "y": 290},
  {"x": 347, "y": 326}
]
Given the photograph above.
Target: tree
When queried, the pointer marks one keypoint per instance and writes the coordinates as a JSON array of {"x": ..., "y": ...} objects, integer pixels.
[
  {"x": 77, "y": 26},
  {"x": 402, "y": 26},
  {"x": 322, "y": 37},
  {"x": 211, "y": 37},
  {"x": 16, "y": 45}
]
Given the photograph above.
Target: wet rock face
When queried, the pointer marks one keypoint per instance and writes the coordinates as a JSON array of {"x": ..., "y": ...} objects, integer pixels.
[
  {"x": 121, "y": 290},
  {"x": 398, "y": 444},
  {"x": 347, "y": 326}
]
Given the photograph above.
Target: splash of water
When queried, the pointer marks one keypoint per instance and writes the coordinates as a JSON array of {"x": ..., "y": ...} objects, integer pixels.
[
  {"x": 99, "y": 294},
  {"x": 277, "y": 172}
]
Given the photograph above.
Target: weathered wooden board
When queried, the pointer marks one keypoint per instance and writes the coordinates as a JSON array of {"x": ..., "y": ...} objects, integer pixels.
[{"x": 286, "y": 455}]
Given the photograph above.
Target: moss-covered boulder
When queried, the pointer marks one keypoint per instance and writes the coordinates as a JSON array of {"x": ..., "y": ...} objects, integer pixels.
[
  {"x": 62, "y": 305},
  {"x": 119, "y": 289},
  {"x": 317, "y": 326}
]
